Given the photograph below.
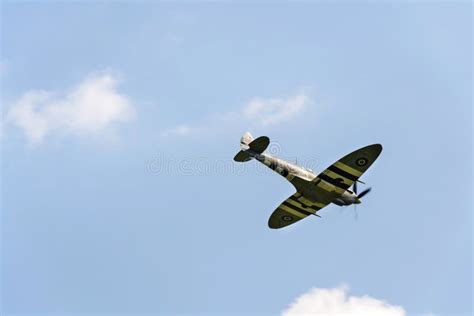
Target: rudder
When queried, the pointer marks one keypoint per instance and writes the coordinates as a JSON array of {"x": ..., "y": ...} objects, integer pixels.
[{"x": 246, "y": 139}]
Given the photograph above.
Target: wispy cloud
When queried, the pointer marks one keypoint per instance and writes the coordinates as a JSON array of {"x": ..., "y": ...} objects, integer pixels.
[
  {"x": 332, "y": 302},
  {"x": 258, "y": 111},
  {"x": 180, "y": 130},
  {"x": 274, "y": 111},
  {"x": 89, "y": 108}
]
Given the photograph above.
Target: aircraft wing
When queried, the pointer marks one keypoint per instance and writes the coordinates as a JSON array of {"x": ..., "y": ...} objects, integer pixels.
[
  {"x": 324, "y": 188},
  {"x": 293, "y": 209},
  {"x": 338, "y": 177}
]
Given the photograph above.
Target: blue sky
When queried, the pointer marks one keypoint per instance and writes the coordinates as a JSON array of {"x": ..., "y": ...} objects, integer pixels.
[{"x": 120, "y": 121}]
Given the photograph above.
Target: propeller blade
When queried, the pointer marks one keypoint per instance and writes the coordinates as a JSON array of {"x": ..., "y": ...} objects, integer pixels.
[
  {"x": 364, "y": 192},
  {"x": 356, "y": 215},
  {"x": 355, "y": 188}
]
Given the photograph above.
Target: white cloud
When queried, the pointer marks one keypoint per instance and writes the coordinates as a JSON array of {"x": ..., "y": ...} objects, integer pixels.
[
  {"x": 179, "y": 130},
  {"x": 332, "y": 302},
  {"x": 90, "y": 108},
  {"x": 258, "y": 112},
  {"x": 273, "y": 111}
]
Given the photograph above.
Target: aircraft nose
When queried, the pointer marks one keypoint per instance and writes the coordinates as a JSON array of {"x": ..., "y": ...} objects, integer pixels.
[{"x": 357, "y": 201}]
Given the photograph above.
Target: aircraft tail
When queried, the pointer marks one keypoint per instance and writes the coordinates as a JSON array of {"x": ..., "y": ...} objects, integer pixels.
[{"x": 250, "y": 147}]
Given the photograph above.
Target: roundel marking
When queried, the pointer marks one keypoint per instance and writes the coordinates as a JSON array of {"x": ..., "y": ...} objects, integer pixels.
[
  {"x": 361, "y": 162},
  {"x": 287, "y": 218}
]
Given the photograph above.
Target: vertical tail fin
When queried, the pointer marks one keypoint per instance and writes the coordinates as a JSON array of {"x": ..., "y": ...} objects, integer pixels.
[
  {"x": 243, "y": 155},
  {"x": 250, "y": 147},
  {"x": 246, "y": 139}
]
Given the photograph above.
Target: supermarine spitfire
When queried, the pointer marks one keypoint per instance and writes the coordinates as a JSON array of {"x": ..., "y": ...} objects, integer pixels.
[{"x": 313, "y": 192}]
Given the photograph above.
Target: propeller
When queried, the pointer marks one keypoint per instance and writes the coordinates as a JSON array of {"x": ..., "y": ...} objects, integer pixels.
[
  {"x": 364, "y": 192},
  {"x": 359, "y": 195}
]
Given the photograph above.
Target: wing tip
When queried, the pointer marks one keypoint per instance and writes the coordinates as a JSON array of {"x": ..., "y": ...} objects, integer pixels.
[
  {"x": 374, "y": 149},
  {"x": 377, "y": 146},
  {"x": 273, "y": 226},
  {"x": 272, "y": 223}
]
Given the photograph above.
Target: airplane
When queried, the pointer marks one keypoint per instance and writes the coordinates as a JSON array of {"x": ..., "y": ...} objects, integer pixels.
[{"x": 313, "y": 192}]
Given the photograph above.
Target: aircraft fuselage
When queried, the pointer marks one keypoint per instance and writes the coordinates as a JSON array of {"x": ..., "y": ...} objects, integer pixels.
[{"x": 291, "y": 171}]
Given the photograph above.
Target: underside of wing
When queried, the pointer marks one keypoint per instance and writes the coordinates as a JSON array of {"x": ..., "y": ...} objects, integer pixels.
[
  {"x": 338, "y": 177},
  {"x": 293, "y": 209}
]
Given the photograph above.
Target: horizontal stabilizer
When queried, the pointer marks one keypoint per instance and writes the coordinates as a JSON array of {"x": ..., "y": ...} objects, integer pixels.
[
  {"x": 259, "y": 144},
  {"x": 242, "y": 156},
  {"x": 251, "y": 146}
]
